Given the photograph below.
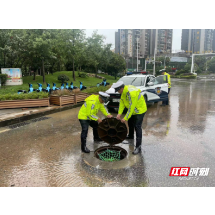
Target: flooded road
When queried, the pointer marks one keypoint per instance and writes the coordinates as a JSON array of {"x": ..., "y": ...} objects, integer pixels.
[{"x": 47, "y": 153}]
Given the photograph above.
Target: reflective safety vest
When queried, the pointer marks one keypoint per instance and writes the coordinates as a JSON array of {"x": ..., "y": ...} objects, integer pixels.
[
  {"x": 91, "y": 107},
  {"x": 169, "y": 81},
  {"x": 132, "y": 99}
]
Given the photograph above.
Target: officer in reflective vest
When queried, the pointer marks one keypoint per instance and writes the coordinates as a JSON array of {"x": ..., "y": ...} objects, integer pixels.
[
  {"x": 164, "y": 103},
  {"x": 133, "y": 100},
  {"x": 88, "y": 116}
]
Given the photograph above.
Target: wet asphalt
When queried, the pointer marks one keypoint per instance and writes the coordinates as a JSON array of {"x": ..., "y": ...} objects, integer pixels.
[{"x": 47, "y": 153}]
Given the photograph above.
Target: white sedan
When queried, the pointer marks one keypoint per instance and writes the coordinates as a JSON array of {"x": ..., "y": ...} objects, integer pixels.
[{"x": 153, "y": 89}]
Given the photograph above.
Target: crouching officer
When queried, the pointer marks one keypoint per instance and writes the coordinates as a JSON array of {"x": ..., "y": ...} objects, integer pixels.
[
  {"x": 132, "y": 99},
  {"x": 88, "y": 116}
]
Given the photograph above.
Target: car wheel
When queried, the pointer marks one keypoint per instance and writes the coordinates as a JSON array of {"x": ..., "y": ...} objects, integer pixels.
[{"x": 145, "y": 98}]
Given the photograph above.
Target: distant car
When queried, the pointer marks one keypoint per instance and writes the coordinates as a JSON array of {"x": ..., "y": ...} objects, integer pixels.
[{"x": 153, "y": 89}]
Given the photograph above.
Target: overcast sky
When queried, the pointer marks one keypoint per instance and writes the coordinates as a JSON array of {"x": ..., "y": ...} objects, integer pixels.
[{"x": 110, "y": 36}]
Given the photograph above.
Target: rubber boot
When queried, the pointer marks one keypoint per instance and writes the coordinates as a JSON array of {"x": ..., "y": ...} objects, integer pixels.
[
  {"x": 138, "y": 147},
  {"x": 83, "y": 146}
]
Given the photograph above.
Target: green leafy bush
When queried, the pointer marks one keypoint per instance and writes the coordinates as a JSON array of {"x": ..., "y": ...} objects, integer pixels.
[
  {"x": 83, "y": 75},
  {"x": 3, "y": 78},
  {"x": 189, "y": 77},
  {"x": 63, "y": 78},
  {"x": 65, "y": 92},
  {"x": 179, "y": 72},
  {"x": 33, "y": 95}
]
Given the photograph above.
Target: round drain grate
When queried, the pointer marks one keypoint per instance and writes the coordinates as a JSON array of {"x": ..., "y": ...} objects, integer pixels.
[{"x": 110, "y": 153}]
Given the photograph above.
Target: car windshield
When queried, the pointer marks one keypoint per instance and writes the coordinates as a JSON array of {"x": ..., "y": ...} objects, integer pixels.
[{"x": 135, "y": 81}]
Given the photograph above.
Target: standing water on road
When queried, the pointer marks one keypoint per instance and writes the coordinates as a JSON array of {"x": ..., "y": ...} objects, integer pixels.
[{"x": 47, "y": 153}]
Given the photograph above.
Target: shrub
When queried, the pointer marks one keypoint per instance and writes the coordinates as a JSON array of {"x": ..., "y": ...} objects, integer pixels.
[
  {"x": 179, "y": 72},
  {"x": 83, "y": 75},
  {"x": 63, "y": 78},
  {"x": 96, "y": 89},
  {"x": 189, "y": 77},
  {"x": 3, "y": 78},
  {"x": 63, "y": 92}
]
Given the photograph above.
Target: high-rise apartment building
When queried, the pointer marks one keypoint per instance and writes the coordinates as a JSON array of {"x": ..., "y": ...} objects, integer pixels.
[
  {"x": 146, "y": 40},
  {"x": 197, "y": 40},
  {"x": 164, "y": 40},
  {"x": 213, "y": 44}
]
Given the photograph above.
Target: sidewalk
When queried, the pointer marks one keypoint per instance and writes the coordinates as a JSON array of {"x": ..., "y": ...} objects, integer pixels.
[{"x": 13, "y": 116}]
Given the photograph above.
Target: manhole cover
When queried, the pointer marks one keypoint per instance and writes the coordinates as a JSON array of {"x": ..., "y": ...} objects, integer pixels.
[{"x": 112, "y": 131}]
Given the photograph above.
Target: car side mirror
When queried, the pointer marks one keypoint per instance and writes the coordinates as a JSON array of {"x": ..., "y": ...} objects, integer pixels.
[{"x": 150, "y": 84}]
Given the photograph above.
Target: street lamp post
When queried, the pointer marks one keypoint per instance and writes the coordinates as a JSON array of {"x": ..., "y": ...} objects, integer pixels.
[
  {"x": 145, "y": 64},
  {"x": 73, "y": 57},
  {"x": 154, "y": 64},
  {"x": 137, "y": 54},
  {"x": 164, "y": 62}
]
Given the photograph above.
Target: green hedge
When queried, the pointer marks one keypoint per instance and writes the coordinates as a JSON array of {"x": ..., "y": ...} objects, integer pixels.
[
  {"x": 33, "y": 95},
  {"x": 96, "y": 89},
  {"x": 186, "y": 77},
  {"x": 189, "y": 77},
  {"x": 174, "y": 76}
]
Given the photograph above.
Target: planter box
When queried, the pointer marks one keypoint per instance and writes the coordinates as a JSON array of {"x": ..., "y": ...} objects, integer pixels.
[
  {"x": 65, "y": 100},
  {"x": 62, "y": 100},
  {"x": 80, "y": 97},
  {"x": 24, "y": 103}
]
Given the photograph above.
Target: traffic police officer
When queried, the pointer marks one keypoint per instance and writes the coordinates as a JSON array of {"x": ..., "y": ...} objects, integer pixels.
[
  {"x": 169, "y": 87},
  {"x": 88, "y": 116},
  {"x": 133, "y": 100}
]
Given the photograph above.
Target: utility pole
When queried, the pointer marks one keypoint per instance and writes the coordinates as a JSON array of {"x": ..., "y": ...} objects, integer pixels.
[
  {"x": 73, "y": 57},
  {"x": 164, "y": 62},
  {"x": 137, "y": 54},
  {"x": 43, "y": 71},
  {"x": 154, "y": 64},
  {"x": 145, "y": 64}
]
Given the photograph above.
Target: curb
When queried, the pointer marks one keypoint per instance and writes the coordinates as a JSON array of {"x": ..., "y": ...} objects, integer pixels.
[{"x": 36, "y": 115}]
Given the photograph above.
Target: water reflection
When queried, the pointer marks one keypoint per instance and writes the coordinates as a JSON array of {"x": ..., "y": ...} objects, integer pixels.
[
  {"x": 194, "y": 103},
  {"x": 157, "y": 121},
  {"x": 134, "y": 176}
]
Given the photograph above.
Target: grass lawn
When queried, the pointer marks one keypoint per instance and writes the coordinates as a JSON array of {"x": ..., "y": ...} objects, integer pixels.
[{"x": 53, "y": 78}]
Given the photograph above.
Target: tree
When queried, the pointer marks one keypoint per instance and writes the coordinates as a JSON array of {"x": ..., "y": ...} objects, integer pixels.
[
  {"x": 187, "y": 67},
  {"x": 95, "y": 50},
  {"x": 40, "y": 48},
  {"x": 116, "y": 65},
  {"x": 211, "y": 65},
  {"x": 200, "y": 61}
]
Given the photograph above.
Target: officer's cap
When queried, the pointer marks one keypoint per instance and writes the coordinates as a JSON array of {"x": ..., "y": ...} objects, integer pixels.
[
  {"x": 117, "y": 86},
  {"x": 104, "y": 96}
]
